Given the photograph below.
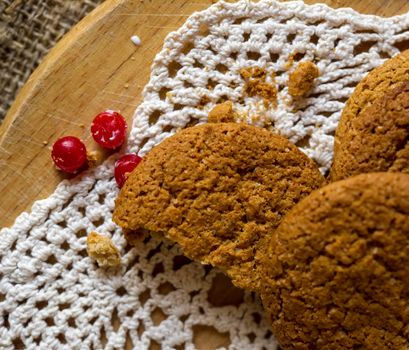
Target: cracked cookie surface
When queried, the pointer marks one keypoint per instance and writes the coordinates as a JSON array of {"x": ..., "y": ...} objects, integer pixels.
[
  {"x": 336, "y": 271},
  {"x": 373, "y": 132},
  {"x": 218, "y": 190}
]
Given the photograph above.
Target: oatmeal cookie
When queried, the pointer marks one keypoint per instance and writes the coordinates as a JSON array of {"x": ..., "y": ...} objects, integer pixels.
[
  {"x": 217, "y": 190},
  {"x": 376, "y": 115},
  {"x": 336, "y": 271},
  {"x": 378, "y": 140}
]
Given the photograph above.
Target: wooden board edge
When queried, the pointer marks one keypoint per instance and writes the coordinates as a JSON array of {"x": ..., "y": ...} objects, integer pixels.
[{"x": 33, "y": 83}]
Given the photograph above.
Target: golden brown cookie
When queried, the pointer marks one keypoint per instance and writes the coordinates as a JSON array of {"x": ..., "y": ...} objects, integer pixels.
[
  {"x": 217, "y": 190},
  {"x": 373, "y": 131},
  {"x": 378, "y": 139},
  {"x": 336, "y": 271}
]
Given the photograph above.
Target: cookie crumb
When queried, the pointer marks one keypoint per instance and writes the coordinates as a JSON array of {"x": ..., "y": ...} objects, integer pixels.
[
  {"x": 290, "y": 61},
  {"x": 92, "y": 158},
  {"x": 302, "y": 79},
  {"x": 45, "y": 143},
  {"x": 267, "y": 92},
  {"x": 256, "y": 85},
  {"x": 82, "y": 125},
  {"x": 101, "y": 249},
  {"x": 222, "y": 113},
  {"x": 204, "y": 100},
  {"x": 253, "y": 73},
  {"x": 169, "y": 96},
  {"x": 126, "y": 86}
]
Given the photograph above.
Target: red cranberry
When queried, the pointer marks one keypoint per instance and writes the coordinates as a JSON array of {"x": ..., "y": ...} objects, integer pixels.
[
  {"x": 69, "y": 154},
  {"x": 124, "y": 166},
  {"x": 109, "y": 129}
]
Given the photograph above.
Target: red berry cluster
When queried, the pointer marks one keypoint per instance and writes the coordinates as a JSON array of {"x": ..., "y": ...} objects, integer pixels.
[{"x": 109, "y": 130}]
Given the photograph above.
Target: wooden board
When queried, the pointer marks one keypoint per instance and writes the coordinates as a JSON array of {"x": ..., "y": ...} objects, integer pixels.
[
  {"x": 89, "y": 71},
  {"x": 93, "y": 68}
]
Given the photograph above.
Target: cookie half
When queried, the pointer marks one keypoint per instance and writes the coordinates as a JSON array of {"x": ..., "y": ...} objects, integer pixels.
[
  {"x": 336, "y": 271},
  {"x": 373, "y": 132},
  {"x": 218, "y": 190}
]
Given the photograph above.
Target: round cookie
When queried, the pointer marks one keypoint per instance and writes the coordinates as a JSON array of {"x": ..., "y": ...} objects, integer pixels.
[
  {"x": 372, "y": 134},
  {"x": 336, "y": 270},
  {"x": 378, "y": 139},
  {"x": 217, "y": 190}
]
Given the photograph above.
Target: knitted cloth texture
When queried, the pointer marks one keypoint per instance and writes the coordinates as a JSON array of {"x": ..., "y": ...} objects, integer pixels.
[{"x": 53, "y": 296}]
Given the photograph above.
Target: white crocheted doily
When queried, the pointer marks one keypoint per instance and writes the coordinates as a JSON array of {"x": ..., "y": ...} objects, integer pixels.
[{"x": 52, "y": 295}]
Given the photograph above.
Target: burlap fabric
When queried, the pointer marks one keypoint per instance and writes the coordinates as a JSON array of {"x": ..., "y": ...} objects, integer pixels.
[{"x": 28, "y": 30}]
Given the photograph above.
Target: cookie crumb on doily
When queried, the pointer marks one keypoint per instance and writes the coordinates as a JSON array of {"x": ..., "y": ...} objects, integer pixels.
[
  {"x": 253, "y": 73},
  {"x": 256, "y": 85},
  {"x": 92, "y": 158},
  {"x": 222, "y": 113},
  {"x": 290, "y": 61},
  {"x": 302, "y": 79},
  {"x": 204, "y": 100},
  {"x": 103, "y": 250}
]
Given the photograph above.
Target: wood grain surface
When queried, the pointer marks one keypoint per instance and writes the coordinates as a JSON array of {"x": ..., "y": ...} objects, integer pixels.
[{"x": 93, "y": 68}]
